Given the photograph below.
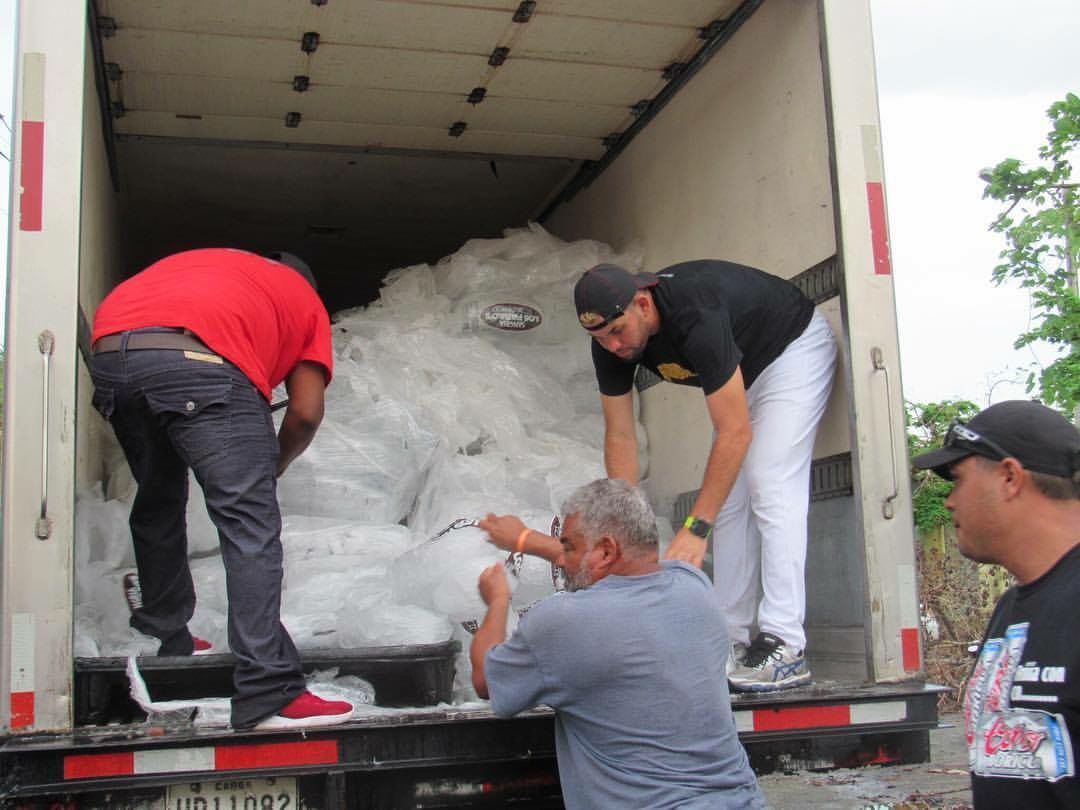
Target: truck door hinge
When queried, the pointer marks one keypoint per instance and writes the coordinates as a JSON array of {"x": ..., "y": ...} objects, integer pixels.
[
  {"x": 673, "y": 71},
  {"x": 524, "y": 11},
  {"x": 712, "y": 29}
]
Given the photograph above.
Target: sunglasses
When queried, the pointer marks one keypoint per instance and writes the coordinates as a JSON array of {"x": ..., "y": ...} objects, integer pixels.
[{"x": 961, "y": 436}]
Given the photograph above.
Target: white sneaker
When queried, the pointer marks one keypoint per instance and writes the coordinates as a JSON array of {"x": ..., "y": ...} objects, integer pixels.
[
  {"x": 769, "y": 665},
  {"x": 736, "y": 657}
]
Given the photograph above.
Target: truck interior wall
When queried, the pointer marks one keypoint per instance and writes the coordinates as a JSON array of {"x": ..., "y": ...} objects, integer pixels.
[
  {"x": 100, "y": 256},
  {"x": 737, "y": 167}
]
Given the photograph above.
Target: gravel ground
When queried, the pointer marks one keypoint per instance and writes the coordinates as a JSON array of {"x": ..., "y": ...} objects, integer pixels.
[{"x": 941, "y": 784}]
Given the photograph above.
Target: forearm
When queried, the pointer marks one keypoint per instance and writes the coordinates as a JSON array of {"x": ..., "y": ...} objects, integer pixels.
[
  {"x": 492, "y": 631},
  {"x": 732, "y": 431},
  {"x": 541, "y": 545},
  {"x": 294, "y": 437},
  {"x": 621, "y": 457},
  {"x": 510, "y": 534},
  {"x": 721, "y": 470},
  {"x": 306, "y": 384}
]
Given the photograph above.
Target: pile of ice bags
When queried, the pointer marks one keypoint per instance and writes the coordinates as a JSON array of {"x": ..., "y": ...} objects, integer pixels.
[{"x": 433, "y": 415}]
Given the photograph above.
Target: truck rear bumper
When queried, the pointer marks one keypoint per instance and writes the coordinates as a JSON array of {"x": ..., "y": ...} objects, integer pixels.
[{"x": 389, "y": 751}]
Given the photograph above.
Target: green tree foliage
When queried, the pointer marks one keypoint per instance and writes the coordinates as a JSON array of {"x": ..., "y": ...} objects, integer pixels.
[
  {"x": 1041, "y": 225},
  {"x": 927, "y": 424}
]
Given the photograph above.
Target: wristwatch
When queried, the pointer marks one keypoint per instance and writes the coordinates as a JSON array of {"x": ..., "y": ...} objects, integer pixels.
[{"x": 697, "y": 526}]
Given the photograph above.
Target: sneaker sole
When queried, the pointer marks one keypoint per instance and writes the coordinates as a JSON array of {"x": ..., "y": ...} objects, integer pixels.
[
  {"x": 761, "y": 686},
  {"x": 277, "y": 721},
  {"x": 211, "y": 651}
]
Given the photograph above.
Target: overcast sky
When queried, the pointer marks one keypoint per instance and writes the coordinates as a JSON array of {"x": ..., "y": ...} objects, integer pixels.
[{"x": 962, "y": 85}]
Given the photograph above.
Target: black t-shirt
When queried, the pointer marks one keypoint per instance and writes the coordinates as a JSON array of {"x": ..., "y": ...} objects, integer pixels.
[
  {"x": 1022, "y": 705},
  {"x": 714, "y": 316}
]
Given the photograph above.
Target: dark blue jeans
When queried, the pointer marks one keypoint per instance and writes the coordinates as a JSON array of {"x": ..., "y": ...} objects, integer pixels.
[{"x": 171, "y": 412}]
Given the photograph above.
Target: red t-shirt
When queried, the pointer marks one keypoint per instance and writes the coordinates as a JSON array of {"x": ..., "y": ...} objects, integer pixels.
[{"x": 260, "y": 315}]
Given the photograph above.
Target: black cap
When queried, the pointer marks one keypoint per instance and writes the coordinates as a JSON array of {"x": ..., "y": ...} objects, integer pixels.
[
  {"x": 605, "y": 291},
  {"x": 1040, "y": 438},
  {"x": 296, "y": 263}
]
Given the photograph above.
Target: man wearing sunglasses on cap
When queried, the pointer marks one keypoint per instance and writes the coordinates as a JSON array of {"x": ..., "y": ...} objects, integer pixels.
[{"x": 1016, "y": 503}]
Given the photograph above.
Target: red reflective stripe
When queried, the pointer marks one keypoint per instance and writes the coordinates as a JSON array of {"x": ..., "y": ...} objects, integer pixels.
[
  {"x": 909, "y": 645},
  {"x": 226, "y": 758},
  {"x": 313, "y": 752},
  {"x": 31, "y": 176},
  {"x": 879, "y": 228},
  {"x": 22, "y": 709},
  {"x": 83, "y": 766},
  {"x": 801, "y": 717}
]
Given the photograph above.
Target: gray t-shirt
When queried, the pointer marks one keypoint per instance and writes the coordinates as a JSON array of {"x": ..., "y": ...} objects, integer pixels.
[{"x": 634, "y": 668}]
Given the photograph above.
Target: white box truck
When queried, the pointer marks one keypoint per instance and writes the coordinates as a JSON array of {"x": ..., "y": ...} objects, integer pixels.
[{"x": 373, "y": 134}]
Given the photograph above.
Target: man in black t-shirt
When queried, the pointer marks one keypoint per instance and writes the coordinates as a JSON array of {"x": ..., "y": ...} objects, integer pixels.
[
  {"x": 764, "y": 361},
  {"x": 1016, "y": 503}
]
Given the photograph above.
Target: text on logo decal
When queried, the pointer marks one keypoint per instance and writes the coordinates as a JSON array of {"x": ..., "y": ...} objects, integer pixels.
[
  {"x": 511, "y": 317},
  {"x": 1003, "y": 737}
]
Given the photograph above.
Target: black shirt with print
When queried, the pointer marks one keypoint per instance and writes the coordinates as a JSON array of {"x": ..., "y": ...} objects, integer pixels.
[
  {"x": 714, "y": 316},
  {"x": 1022, "y": 701}
]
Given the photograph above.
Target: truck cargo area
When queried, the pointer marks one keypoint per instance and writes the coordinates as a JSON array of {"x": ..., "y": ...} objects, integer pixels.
[
  {"x": 370, "y": 136},
  {"x": 379, "y": 135}
]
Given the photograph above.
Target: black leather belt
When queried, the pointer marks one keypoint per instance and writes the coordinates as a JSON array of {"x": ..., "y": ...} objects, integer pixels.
[{"x": 158, "y": 339}]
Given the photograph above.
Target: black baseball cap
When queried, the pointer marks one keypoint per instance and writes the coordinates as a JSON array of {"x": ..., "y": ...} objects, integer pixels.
[
  {"x": 1040, "y": 438},
  {"x": 296, "y": 263},
  {"x": 604, "y": 292}
]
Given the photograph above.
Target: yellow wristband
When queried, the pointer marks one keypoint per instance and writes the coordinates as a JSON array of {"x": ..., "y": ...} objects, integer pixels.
[{"x": 520, "y": 548}]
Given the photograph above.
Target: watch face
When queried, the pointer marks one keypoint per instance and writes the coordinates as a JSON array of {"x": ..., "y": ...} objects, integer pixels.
[{"x": 700, "y": 528}]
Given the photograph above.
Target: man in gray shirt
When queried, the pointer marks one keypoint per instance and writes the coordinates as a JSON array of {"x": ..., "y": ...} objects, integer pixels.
[{"x": 632, "y": 659}]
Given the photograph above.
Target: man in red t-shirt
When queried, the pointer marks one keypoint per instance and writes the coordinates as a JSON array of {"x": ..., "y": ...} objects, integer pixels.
[{"x": 186, "y": 354}]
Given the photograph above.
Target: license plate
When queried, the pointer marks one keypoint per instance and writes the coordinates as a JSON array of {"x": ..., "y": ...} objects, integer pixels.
[{"x": 262, "y": 793}]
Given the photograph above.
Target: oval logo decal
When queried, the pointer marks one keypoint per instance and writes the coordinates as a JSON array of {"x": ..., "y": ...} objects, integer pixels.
[{"x": 511, "y": 317}]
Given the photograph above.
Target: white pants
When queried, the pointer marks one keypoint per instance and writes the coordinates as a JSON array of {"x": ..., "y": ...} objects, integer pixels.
[{"x": 759, "y": 539}]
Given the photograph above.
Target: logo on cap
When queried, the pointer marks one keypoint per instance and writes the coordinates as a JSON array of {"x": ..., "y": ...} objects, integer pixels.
[{"x": 591, "y": 320}]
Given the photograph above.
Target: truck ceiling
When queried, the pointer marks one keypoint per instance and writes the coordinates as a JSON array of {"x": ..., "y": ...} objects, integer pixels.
[{"x": 371, "y": 135}]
